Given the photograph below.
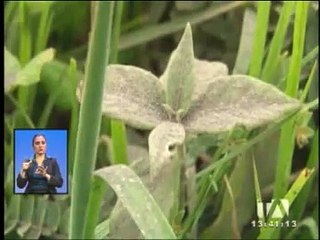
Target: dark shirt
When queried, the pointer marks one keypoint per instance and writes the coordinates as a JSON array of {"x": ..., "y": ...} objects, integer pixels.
[{"x": 38, "y": 183}]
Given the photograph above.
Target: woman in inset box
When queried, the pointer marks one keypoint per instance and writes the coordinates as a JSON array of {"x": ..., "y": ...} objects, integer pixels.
[{"x": 42, "y": 173}]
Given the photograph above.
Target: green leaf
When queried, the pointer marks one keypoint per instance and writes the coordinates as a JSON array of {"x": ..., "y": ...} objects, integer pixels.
[
  {"x": 52, "y": 218},
  {"x": 258, "y": 45},
  {"x": 133, "y": 95},
  {"x": 12, "y": 67},
  {"x": 236, "y": 209},
  {"x": 39, "y": 212},
  {"x": 178, "y": 78},
  {"x": 277, "y": 42},
  {"x": 12, "y": 213},
  {"x": 26, "y": 213},
  {"x": 102, "y": 230},
  {"x": 55, "y": 75},
  {"x": 64, "y": 225},
  {"x": 237, "y": 99},
  {"x": 30, "y": 74},
  {"x": 135, "y": 197},
  {"x": 246, "y": 41}
]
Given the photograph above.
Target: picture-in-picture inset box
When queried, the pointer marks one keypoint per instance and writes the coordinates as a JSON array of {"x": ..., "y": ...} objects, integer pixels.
[{"x": 40, "y": 161}]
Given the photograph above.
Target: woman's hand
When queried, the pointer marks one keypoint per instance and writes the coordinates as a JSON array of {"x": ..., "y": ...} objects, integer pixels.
[
  {"x": 26, "y": 165},
  {"x": 43, "y": 171}
]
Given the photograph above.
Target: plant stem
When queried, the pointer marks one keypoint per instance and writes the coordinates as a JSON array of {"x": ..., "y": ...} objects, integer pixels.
[{"x": 90, "y": 116}]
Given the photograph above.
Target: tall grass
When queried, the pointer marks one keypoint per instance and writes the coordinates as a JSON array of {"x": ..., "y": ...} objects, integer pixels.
[
  {"x": 119, "y": 145},
  {"x": 286, "y": 145},
  {"x": 90, "y": 116}
]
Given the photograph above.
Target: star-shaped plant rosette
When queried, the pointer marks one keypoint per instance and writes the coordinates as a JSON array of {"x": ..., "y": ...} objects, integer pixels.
[
  {"x": 192, "y": 96},
  {"x": 198, "y": 94}
]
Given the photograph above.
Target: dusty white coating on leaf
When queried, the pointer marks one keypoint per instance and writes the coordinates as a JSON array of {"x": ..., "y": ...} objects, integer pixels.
[
  {"x": 237, "y": 99},
  {"x": 163, "y": 142},
  {"x": 133, "y": 95},
  {"x": 205, "y": 72},
  {"x": 133, "y": 195},
  {"x": 178, "y": 78},
  {"x": 218, "y": 101},
  {"x": 161, "y": 160}
]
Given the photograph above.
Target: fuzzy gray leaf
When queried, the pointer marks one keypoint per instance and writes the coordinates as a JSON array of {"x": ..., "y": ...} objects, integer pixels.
[
  {"x": 163, "y": 141},
  {"x": 135, "y": 197},
  {"x": 178, "y": 78},
  {"x": 133, "y": 95},
  {"x": 163, "y": 164},
  {"x": 237, "y": 99},
  {"x": 205, "y": 72}
]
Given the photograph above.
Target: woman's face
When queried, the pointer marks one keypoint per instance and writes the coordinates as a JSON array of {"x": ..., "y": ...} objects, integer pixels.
[{"x": 40, "y": 145}]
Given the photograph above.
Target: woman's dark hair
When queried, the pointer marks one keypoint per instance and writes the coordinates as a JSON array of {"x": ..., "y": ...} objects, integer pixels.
[{"x": 38, "y": 135}]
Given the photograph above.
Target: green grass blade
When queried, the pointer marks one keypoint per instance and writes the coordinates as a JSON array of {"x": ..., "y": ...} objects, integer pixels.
[
  {"x": 90, "y": 116},
  {"x": 25, "y": 38},
  {"x": 285, "y": 154},
  {"x": 301, "y": 201},
  {"x": 259, "y": 38},
  {"x": 118, "y": 8},
  {"x": 150, "y": 33},
  {"x": 298, "y": 47},
  {"x": 138, "y": 201},
  {"x": 306, "y": 89},
  {"x": 310, "y": 56},
  {"x": 246, "y": 41},
  {"x": 118, "y": 128},
  {"x": 277, "y": 42},
  {"x": 256, "y": 184},
  {"x": 9, "y": 12},
  {"x": 53, "y": 95},
  {"x": 25, "y": 50},
  {"x": 286, "y": 144},
  {"x": 27, "y": 119},
  {"x": 119, "y": 143},
  {"x": 74, "y": 112},
  {"x": 97, "y": 192},
  {"x": 268, "y": 233},
  {"x": 44, "y": 28},
  {"x": 234, "y": 222}
]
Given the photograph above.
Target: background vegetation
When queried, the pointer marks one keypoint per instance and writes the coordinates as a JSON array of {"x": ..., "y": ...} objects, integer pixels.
[{"x": 276, "y": 42}]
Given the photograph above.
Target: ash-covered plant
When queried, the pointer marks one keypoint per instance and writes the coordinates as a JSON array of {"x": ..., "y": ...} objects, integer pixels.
[
  {"x": 198, "y": 94},
  {"x": 192, "y": 96}
]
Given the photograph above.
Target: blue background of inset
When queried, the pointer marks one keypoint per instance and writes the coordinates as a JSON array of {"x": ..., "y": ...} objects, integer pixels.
[{"x": 56, "y": 148}]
